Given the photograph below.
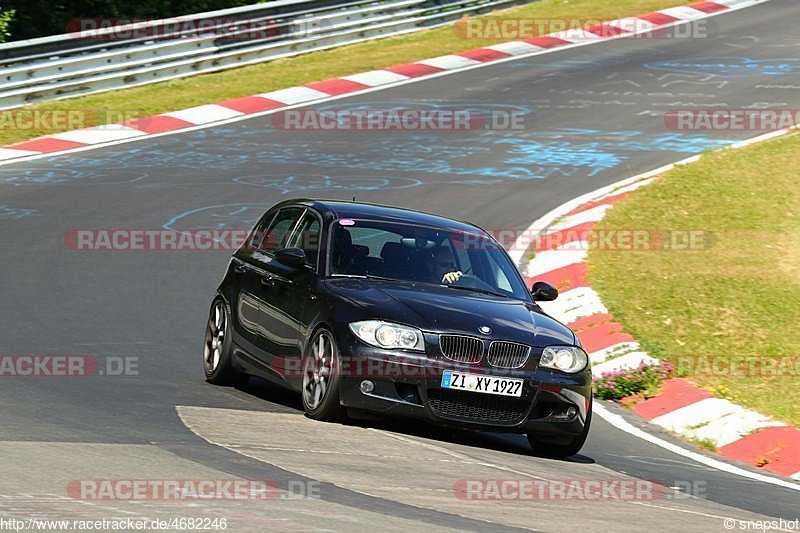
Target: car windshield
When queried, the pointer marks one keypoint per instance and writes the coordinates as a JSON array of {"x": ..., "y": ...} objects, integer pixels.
[{"x": 405, "y": 252}]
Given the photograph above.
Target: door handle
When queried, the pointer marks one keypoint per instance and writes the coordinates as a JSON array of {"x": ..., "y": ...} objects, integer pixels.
[{"x": 268, "y": 281}]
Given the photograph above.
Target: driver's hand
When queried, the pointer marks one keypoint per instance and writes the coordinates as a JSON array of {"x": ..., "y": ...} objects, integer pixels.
[{"x": 452, "y": 277}]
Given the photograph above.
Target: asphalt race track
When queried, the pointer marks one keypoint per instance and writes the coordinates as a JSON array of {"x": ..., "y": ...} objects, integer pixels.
[{"x": 592, "y": 115}]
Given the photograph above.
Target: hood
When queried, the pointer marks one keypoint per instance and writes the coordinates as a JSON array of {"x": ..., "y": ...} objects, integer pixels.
[{"x": 439, "y": 309}]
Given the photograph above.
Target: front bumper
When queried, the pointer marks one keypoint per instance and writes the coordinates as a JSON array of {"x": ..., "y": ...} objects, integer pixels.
[{"x": 409, "y": 384}]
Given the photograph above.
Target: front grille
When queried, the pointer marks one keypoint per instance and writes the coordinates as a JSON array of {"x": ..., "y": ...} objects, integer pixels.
[
  {"x": 461, "y": 349},
  {"x": 504, "y": 354},
  {"x": 477, "y": 407}
]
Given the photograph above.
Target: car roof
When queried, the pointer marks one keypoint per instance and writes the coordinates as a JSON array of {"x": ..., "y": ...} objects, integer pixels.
[{"x": 338, "y": 209}]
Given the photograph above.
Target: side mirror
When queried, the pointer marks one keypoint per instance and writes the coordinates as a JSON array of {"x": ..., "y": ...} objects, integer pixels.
[
  {"x": 292, "y": 257},
  {"x": 543, "y": 292}
]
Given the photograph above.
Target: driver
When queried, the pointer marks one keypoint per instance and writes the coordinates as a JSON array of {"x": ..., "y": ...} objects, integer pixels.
[{"x": 442, "y": 266}]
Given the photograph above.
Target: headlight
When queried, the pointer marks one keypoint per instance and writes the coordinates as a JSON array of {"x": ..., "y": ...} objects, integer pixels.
[
  {"x": 565, "y": 358},
  {"x": 389, "y": 336}
]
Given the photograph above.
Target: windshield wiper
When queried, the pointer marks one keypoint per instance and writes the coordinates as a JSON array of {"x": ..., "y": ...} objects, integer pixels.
[
  {"x": 368, "y": 276},
  {"x": 482, "y": 291}
]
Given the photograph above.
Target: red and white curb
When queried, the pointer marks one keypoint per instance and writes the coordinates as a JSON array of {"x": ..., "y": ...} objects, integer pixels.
[
  {"x": 240, "y": 108},
  {"x": 680, "y": 407}
]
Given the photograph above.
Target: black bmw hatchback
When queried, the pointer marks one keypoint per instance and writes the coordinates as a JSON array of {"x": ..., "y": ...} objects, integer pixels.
[{"x": 362, "y": 307}]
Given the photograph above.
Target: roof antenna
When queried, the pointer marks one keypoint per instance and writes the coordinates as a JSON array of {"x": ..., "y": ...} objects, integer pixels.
[{"x": 354, "y": 198}]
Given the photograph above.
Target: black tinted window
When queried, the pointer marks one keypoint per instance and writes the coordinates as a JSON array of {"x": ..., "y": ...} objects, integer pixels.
[
  {"x": 277, "y": 233},
  {"x": 307, "y": 237}
]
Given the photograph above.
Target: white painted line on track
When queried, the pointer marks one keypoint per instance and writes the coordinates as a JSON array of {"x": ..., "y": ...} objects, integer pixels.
[
  {"x": 680, "y": 510},
  {"x": 618, "y": 422}
]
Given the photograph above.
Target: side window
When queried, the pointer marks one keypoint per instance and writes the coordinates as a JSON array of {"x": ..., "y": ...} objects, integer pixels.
[
  {"x": 257, "y": 234},
  {"x": 307, "y": 236},
  {"x": 278, "y": 232}
]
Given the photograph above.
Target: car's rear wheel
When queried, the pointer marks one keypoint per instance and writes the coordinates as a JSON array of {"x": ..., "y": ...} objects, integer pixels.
[
  {"x": 563, "y": 447},
  {"x": 321, "y": 378},
  {"x": 217, "y": 363}
]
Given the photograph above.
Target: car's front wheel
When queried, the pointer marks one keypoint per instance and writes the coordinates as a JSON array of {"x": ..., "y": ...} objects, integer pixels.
[
  {"x": 561, "y": 448},
  {"x": 321, "y": 378},
  {"x": 217, "y": 356}
]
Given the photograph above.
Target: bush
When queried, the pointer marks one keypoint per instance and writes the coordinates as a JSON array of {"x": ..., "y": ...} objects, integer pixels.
[
  {"x": 623, "y": 383},
  {"x": 6, "y": 16}
]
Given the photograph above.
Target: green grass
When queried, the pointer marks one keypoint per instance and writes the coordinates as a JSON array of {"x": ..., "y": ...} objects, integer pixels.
[
  {"x": 209, "y": 88},
  {"x": 703, "y": 444},
  {"x": 738, "y": 298}
]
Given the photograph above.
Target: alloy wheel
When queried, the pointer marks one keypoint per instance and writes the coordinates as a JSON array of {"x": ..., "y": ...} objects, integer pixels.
[
  {"x": 317, "y": 371},
  {"x": 215, "y": 337}
]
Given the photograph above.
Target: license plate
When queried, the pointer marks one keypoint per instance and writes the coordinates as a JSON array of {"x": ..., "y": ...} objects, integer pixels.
[{"x": 484, "y": 384}]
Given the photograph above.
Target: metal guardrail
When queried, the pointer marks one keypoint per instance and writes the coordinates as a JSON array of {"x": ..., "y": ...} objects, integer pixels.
[{"x": 97, "y": 60}]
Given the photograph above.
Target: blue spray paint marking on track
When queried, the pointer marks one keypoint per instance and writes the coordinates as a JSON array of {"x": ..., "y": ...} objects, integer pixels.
[
  {"x": 63, "y": 173},
  {"x": 16, "y": 213},
  {"x": 411, "y": 160},
  {"x": 320, "y": 182},
  {"x": 217, "y": 217},
  {"x": 730, "y": 67}
]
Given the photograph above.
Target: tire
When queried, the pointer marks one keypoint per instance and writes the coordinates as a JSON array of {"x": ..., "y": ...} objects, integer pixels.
[
  {"x": 217, "y": 352},
  {"x": 321, "y": 381},
  {"x": 566, "y": 448}
]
